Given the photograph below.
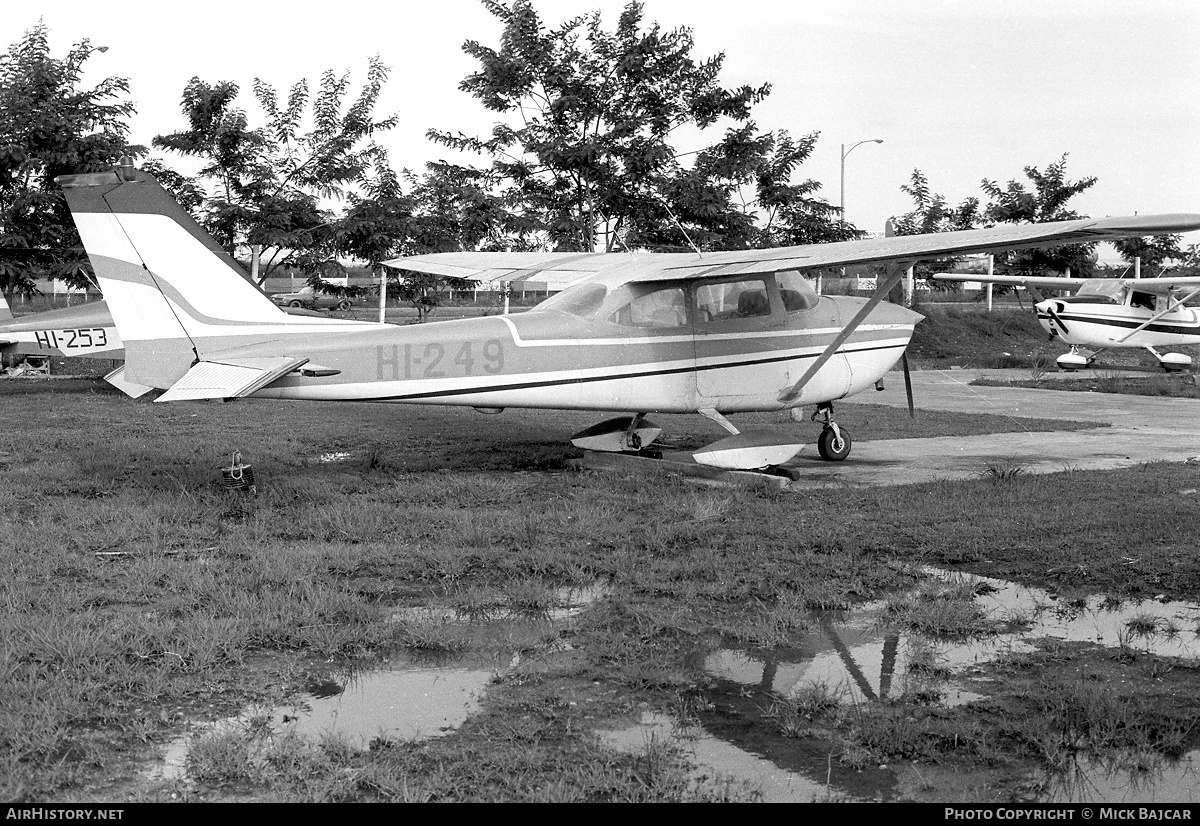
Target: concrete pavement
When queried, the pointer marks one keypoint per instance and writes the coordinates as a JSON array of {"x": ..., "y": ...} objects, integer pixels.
[{"x": 1139, "y": 429}]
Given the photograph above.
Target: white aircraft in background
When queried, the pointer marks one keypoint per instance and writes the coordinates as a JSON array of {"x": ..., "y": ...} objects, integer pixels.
[
  {"x": 71, "y": 332},
  {"x": 1110, "y": 313},
  {"x": 84, "y": 330},
  {"x": 714, "y": 334}
]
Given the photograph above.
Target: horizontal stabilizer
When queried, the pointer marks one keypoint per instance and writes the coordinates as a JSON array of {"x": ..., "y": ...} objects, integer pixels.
[
  {"x": 130, "y": 388},
  {"x": 230, "y": 379},
  {"x": 748, "y": 451}
]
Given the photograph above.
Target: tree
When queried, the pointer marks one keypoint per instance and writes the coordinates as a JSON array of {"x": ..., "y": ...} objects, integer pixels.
[
  {"x": 932, "y": 213},
  {"x": 595, "y": 112},
  {"x": 51, "y": 126},
  {"x": 271, "y": 184},
  {"x": 1154, "y": 250},
  {"x": 1047, "y": 202},
  {"x": 447, "y": 210},
  {"x": 791, "y": 214}
]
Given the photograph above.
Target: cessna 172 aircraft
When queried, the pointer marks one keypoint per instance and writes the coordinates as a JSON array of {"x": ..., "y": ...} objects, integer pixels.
[
  {"x": 714, "y": 334},
  {"x": 1106, "y": 313},
  {"x": 84, "y": 330}
]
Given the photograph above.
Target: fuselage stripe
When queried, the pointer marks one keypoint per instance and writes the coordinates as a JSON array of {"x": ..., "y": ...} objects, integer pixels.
[
  {"x": 466, "y": 391},
  {"x": 1192, "y": 329}
]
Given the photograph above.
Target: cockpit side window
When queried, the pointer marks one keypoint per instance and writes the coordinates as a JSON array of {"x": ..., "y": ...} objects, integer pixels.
[
  {"x": 797, "y": 293},
  {"x": 732, "y": 299},
  {"x": 1144, "y": 300},
  {"x": 651, "y": 306}
]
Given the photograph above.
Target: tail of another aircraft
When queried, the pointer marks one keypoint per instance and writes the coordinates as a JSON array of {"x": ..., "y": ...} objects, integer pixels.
[
  {"x": 175, "y": 295},
  {"x": 5, "y": 311}
]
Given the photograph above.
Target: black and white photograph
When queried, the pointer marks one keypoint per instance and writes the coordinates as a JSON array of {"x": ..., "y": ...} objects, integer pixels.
[{"x": 601, "y": 401}]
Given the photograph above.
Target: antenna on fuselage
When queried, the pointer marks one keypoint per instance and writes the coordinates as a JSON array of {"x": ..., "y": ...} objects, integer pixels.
[
  {"x": 617, "y": 235},
  {"x": 691, "y": 243}
]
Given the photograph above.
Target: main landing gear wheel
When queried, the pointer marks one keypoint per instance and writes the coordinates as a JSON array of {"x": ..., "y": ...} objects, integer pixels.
[
  {"x": 834, "y": 445},
  {"x": 343, "y": 306}
]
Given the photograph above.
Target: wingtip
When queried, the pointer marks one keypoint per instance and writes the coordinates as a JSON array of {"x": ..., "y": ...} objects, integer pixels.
[{"x": 1169, "y": 224}]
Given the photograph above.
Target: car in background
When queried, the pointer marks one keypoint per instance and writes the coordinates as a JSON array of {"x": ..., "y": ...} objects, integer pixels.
[{"x": 310, "y": 299}]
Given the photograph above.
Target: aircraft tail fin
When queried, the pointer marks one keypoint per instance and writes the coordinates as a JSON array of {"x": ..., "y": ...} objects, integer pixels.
[
  {"x": 174, "y": 293},
  {"x": 5, "y": 310}
]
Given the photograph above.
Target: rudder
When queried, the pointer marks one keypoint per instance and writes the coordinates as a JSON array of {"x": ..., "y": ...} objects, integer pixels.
[{"x": 167, "y": 282}]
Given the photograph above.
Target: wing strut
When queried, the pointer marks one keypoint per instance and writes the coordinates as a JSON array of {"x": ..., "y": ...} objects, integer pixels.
[
  {"x": 1171, "y": 305},
  {"x": 895, "y": 271}
]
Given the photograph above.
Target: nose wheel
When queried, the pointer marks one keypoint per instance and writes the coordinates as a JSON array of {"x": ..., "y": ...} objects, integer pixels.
[{"x": 834, "y": 442}]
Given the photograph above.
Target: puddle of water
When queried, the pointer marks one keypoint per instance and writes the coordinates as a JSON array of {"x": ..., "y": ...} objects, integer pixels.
[
  {"x": 339, "y": 456},
  {"x": 567, "y": 604},
  {"x": 404, "y": 703},
  {"x": 1164, "y": 629},
  {"x": 715, "y": 760},
  {"x": 1162, "y": 781},
  {"x": 856, "y": 657},
  {"x": 853, "y": 656}
]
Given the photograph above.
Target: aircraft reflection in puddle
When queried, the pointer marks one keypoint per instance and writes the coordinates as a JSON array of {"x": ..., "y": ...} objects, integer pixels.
[
  {"x": 853, "y": 652},
  {"x": 753, "y": 776},
  {"x": 855, "y": 657},
  {"x": 858, "y": 657}
]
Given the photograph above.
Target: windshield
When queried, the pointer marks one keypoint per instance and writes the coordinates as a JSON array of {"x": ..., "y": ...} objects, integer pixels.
[
  {"x": 1099, "y": 288},
  {"x": 582, "y": 300},
  {"x": 798, "y": 294}
]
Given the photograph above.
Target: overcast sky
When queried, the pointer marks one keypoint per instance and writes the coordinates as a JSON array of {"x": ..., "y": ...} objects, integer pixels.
[{"x": 960, "y": 90}]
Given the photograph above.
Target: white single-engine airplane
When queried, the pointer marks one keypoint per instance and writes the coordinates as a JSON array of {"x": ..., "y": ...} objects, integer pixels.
[
  {"x": 713, "y": 334},
  {"x": 84, "y": 330},
  {"x": 1108, "y": 313}
]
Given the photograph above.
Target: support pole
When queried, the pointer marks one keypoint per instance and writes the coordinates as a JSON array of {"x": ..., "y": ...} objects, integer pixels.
[
  {"x": 382, "y": 293},
  {"x": 991, "y": 268},
  {"x": 255, "y": 258}
]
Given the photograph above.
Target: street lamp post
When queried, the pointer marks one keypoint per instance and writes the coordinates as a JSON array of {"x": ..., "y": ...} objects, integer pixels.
[{"x": 845, "y": 152}]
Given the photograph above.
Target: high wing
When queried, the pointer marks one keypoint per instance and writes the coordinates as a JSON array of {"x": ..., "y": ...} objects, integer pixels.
[
  {"x": 563, "y": 269},
  {"x": 1162, "y": 286},
  {"x": 664, "y": 266}
]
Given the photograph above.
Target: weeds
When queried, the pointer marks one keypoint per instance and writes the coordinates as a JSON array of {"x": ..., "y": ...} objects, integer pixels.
[
  {"x": 940, "y": 609},
  {"x": 216, "y": 600},
  {"x": 795, "y": 714},
  {"x": 1003, "y": 473}
]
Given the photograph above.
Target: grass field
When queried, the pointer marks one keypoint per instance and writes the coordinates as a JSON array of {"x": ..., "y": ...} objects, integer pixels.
[
  {"x": 142, "y": 600},
  {"x": 1176, "y": 386}
]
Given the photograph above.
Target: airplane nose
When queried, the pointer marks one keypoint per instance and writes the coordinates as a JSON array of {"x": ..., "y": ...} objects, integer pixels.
[
  {"x": 1048, "y": 314},
  {"x": 888, "y": 313}
]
